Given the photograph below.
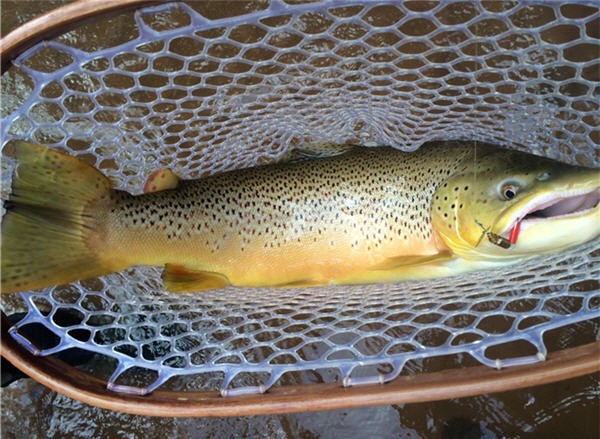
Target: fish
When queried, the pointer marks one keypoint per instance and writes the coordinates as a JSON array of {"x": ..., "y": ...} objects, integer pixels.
[{"x": 358, "y": 215}]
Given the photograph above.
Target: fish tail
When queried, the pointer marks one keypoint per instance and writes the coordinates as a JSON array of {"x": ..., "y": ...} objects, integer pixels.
[{"x": 52, "y": 226}]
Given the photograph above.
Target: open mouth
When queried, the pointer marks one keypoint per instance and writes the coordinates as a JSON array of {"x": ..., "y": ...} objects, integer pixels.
[
  {"x": 553, "y": 206},
  {"x": 564, "y": 206}
]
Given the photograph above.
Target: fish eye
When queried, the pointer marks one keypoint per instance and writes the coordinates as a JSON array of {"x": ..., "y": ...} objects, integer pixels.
[{"x": 509, "y": 191}]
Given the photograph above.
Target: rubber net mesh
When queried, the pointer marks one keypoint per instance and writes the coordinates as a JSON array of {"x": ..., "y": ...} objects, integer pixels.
[{"x": 203, "y": 89}]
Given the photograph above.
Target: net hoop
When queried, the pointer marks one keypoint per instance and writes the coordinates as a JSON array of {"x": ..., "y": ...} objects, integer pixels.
[
  {"x": 60, "y": 20},
  {"x": 71, "y": 382},
  {"x": 454, "y": 383}
]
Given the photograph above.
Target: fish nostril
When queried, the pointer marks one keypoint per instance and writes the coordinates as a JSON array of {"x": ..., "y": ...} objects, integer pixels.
[{"x": 543, "y": 176}]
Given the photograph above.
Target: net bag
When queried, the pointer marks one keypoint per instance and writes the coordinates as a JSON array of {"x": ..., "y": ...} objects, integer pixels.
[{"x": 203, "y": 89}]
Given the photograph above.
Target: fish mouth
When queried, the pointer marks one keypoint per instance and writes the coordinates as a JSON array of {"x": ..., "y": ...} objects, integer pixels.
[{"x": 555, "y": 206}]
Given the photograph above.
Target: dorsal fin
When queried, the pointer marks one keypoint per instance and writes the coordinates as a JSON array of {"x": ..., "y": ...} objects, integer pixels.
[{"x": 316, "y": 150}]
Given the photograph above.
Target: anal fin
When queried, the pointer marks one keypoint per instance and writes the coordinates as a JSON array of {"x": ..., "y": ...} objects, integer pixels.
[
  {"x": 160, "y": 180},
  {"x": 180, "y": 279}
]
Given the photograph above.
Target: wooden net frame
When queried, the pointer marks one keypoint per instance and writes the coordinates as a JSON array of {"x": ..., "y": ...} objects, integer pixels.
[{"x": 456, "y": 383}]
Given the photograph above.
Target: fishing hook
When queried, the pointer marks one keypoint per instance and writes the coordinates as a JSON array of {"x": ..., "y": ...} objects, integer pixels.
[{"x": 498, "y": 240}]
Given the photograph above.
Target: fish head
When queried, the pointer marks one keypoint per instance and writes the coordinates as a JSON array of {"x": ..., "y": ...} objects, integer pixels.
[{"x": 507, "y": 205}]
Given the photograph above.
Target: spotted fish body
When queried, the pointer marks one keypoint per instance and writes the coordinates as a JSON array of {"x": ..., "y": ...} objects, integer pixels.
[
  {"x": 367, "y": 215},
  {"x": 309, "y": 222}
]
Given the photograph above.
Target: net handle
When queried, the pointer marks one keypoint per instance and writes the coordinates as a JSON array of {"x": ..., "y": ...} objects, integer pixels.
[
  {"x": 454, "y": 383},
  {"x": 58, "y": 21}
]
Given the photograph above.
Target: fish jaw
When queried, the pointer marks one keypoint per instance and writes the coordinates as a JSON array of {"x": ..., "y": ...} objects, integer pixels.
[
  {"x": 555, "y": 220},
  {"x": 554, "y": 216}
]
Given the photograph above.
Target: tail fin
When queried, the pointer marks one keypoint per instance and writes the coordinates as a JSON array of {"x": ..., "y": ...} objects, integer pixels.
[{"x": 50, "y": 221}]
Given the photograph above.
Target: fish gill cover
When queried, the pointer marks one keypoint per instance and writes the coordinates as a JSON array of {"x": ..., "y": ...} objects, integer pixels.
[{"x": 203, "y": 90}]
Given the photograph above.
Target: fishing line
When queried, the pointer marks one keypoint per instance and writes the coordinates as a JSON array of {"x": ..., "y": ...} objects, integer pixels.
[
  {"x": 475, "y": 171},
  {"x": 492, "y": 237},
  {"x": 474, "y": 205}
]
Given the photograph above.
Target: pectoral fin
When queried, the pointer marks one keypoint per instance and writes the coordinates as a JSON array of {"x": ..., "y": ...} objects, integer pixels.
[
  {"x": 180, "y": 279},
  {"x": 406, "y": 268},
  {"x": 399, "y": 262},
  {"x": 161, "y": 180}
]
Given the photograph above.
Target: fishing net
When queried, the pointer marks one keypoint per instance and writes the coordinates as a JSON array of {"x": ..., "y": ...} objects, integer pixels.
[{"x": 202, "y": 89}]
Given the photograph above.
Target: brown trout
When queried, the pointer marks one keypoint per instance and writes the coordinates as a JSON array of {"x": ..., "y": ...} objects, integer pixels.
[{"x": 364, "y": 215}]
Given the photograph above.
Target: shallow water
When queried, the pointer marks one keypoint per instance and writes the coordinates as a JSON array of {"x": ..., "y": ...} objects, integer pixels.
[{"x": 566, "y": 409}]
